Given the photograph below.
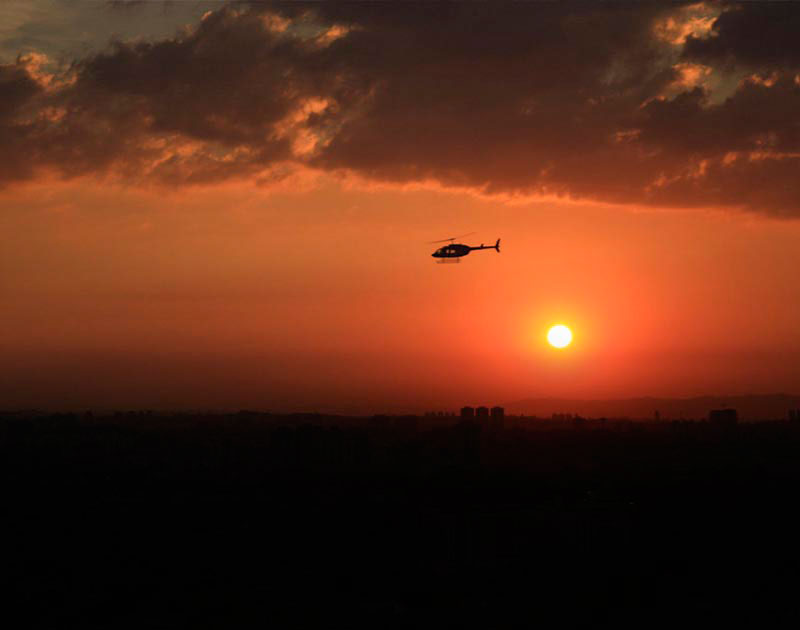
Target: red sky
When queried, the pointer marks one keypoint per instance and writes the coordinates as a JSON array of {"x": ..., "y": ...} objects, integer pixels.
[{"x": 170, "y": 251}]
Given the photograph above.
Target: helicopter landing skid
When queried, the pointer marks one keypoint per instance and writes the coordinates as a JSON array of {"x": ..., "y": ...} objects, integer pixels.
[{"x": 448, "y": 261}]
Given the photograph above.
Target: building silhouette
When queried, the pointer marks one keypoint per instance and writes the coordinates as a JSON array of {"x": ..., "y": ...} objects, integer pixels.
[
  {"x": 467, "y": 412},
  {"x": 497, "y": 415},
  {"x": 482, "y": 412},
  {"x": 723, "y": 417}
]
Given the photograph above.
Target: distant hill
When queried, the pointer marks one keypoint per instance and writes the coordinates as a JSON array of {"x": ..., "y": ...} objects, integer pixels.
[{"x": 756, "y": 407}]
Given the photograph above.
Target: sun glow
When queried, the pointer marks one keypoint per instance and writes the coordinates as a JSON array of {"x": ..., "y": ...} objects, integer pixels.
[{"x": 559, "y": 336}]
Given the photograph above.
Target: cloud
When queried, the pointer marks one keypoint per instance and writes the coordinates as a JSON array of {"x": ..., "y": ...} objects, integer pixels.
[
  {"x": 751, "y": 34},
  {"x": 606, "y": 101},
  {"x": 18, "y": 88}
]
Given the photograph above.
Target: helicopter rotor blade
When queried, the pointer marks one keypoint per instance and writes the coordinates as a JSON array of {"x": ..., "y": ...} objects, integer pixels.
[{"x": 444, "y": 240}]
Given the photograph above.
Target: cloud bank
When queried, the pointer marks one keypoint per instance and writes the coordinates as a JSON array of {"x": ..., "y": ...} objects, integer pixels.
[{"x": 675, "y": 105}]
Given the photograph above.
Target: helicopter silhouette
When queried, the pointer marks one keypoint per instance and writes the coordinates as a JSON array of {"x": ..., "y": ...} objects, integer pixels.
[{"x": 453, "y": 252}]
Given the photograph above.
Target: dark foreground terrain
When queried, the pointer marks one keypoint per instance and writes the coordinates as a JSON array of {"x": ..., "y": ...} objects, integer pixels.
[{"x": 141, "y": 521}]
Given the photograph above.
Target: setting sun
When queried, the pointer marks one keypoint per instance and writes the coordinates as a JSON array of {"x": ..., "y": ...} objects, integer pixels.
[{"x": 559, "y": 336}]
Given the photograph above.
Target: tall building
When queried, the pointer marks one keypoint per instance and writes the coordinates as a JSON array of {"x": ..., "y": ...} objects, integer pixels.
[
  {"x": 482, "y": 412},
  {"x": 725, "y": 417},
  {"x": 467, "y": 412},
  {"x": 497, "y": 414}
]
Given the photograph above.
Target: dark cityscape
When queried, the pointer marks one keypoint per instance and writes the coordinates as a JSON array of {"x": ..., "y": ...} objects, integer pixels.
[{"x": 175, "y": 520}]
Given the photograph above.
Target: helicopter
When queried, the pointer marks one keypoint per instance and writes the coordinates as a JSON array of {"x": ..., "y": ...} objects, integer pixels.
[{"x": 453, "y": 252}]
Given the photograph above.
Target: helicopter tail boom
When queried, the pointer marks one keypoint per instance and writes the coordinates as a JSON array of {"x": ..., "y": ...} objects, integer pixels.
[{"x": 495, "y": 247}]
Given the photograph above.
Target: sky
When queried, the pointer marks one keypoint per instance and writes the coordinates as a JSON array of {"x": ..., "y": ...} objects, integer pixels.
[{"x": 216, "y": 205}]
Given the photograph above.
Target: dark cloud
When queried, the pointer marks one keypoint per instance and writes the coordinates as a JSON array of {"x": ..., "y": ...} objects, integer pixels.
[
  {"x": 587, "y": 100},
  {"x": 760, "y": 35},
  {"x": 18, "y": 89}
]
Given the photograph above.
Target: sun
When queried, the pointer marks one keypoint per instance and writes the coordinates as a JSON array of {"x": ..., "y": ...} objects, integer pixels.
[{"x": 559, "y": 336}]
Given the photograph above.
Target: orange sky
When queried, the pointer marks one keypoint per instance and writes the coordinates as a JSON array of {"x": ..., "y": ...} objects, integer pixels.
[
  {"x": 328, "y": 299},
  {"x": 221, "y": 205}
]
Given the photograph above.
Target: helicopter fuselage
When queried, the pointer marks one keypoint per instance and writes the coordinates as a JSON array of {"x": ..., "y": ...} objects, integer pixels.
[{"x": 453, "y": 250}]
